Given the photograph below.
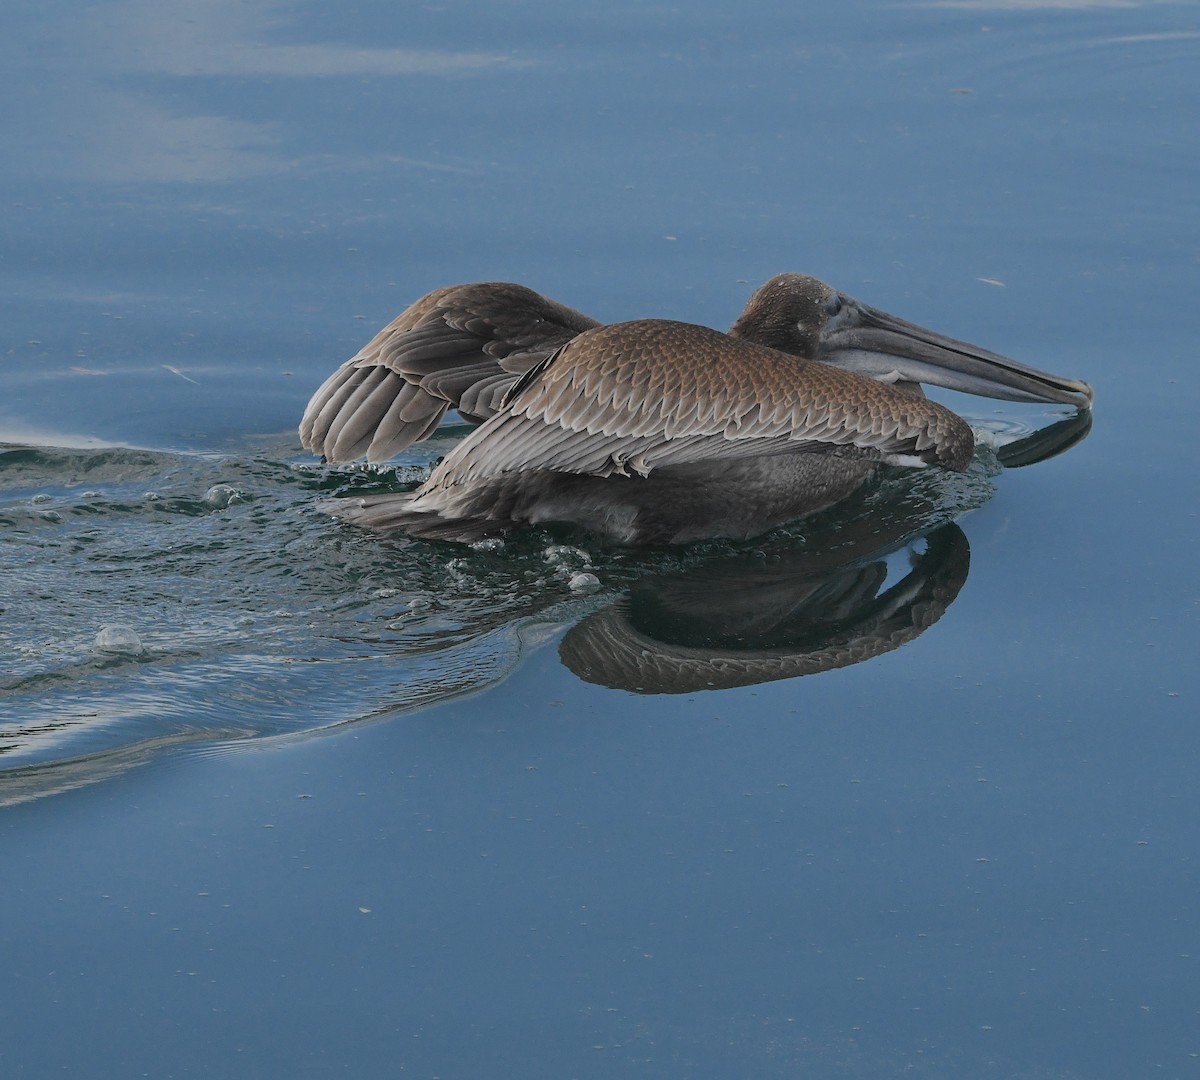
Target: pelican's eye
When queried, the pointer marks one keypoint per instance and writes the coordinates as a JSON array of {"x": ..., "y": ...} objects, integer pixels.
[{"x": 833, "y": 305}]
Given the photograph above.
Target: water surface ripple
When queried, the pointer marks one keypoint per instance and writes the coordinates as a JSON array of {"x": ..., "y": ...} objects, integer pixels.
[{"x": 154, "y": 599}]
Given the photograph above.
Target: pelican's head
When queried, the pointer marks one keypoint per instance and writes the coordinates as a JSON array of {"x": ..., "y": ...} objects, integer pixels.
[{"x": 800, "y": 315}]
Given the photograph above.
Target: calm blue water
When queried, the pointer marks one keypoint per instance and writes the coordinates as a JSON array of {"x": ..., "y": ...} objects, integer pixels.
[{"x": 906, "y": 790}]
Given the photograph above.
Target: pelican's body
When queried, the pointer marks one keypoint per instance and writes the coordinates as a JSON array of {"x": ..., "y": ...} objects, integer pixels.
[{"x": 652, "y": 431}]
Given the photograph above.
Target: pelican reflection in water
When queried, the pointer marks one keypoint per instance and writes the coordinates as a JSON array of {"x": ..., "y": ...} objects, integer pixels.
[
  {"x": 746, "y": 620},
  {"x": 652, "y": 432}
]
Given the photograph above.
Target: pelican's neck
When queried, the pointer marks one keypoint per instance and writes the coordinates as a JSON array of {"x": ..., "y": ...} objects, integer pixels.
[{"x": 765, "y": 323}]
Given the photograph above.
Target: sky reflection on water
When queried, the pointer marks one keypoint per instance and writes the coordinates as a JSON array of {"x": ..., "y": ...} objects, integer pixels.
[{"x": 970, "y": 855}]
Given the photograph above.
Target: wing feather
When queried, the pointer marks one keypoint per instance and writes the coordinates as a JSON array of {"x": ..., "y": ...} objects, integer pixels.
[
  {"x": 351, "y": 429},
  {"x": 466, "y": 342},
  {"x": 321, "y": 413},
  {"x": 638, "y": 396},
  {"x": 412, "y": 416}
]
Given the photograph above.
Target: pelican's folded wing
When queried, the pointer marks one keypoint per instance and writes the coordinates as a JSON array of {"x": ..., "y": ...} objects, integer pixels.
[
  {"x": 461, "y": 347},
  {"x": 633, "y": 397}
]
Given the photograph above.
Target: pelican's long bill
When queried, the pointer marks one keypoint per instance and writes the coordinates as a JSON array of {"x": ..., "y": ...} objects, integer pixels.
[{"x": 861, "y": 339}]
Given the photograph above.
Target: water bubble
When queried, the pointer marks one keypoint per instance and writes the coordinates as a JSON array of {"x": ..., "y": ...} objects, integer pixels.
[
  {"x": 566, "y": 555},
  {"x": 116, "y": 639},
  {"x": 492, "y": 543},
  {"x": 41, "y": 499},
  {"x": 221, "y": 496},
  {"x": 583, "y": 582}
]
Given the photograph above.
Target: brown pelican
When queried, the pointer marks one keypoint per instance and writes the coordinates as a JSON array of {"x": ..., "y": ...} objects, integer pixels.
[{"x": 652, "y": 431}]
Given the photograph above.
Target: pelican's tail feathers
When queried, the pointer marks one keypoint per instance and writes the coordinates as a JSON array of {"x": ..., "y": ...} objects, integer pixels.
[{"x": 395, "y": 513}]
